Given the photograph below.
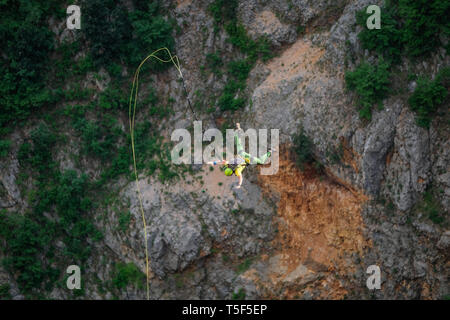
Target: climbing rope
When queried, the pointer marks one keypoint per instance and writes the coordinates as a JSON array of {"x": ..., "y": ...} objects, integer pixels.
[{"x": 131, "y": 115}]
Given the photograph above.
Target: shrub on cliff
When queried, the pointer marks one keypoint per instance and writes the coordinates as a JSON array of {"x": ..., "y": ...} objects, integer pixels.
[
  {"x": 126, "y": 274},
  {"x": 423, "y": 23},
  {"x": 26, "y": 46},
  {"x": 303, "y": 149},
  {"x": 387, "y": 41},
  {"x": 428, "y": 96},
  {"x": 371, "y": 84},
  {"x": 410, "y": 27},
  {"x": 114, "y": 34}
]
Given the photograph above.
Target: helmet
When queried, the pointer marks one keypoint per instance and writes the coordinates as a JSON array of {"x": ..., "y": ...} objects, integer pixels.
[{"x": 228, "y": 171}]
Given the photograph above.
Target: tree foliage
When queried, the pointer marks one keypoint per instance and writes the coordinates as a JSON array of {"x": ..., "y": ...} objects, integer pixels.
[
  {"x": 114, "y": 34},
  {"x": 408, "y": 27},
  {"x": 387, "y": 41},
  {"x": 26, "y": 44},
  {"x": 371, "y": 84},
  {"x": 423, "y": 23},
  {"x": 428, "y": 96},
  {"x": 303, "y": 149}
]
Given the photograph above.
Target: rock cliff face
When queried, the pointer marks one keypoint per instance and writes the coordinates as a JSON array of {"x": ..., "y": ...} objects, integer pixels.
[{"x": 295, "y": 235}]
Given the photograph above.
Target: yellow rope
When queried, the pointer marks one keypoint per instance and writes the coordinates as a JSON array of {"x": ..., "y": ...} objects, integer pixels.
[{"x": 131, "y": 115}]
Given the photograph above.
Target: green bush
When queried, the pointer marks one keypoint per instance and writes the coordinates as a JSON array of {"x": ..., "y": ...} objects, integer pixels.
[
  {"x": 71, "y": 201},
  {"x": 113, "y": 98},
  {"x": 371, "y": 84},
  {"x": 127, "y": 274},
  {"x": 107, "y": 29},
  {"x": 410, "y": 26},
  {"x": 124, "y": 220},
  {"x": 147, "y": 145},
  {"x": 154, "y": 109},
  {"x": 428, "y": 96},
  {"x": 5, "y": 145},
  {"x": 223, "y": 10},
  {"x": 166, "y": 170},
  {"x": 152, "y": 31},
  {"x": 26, "y": 241},
  {"x": 240, "y": 295},
  {"x": 99, "y": 138},
  {"x": 26, "y": 45},
  {"x": 114, "y": 37},
  {"x": 227, "y": 100},
  {"x": 84, "y": 65},
  {"x": 65, "y": 53},
  {"x": 214, "y": 63},
  {"x": 64, "y": 194},
  {"x": 244, "y": 266},
  {"x": 152, "y": 97},
  {"x": 38, "y": 155},
  {"x": 4, "y": 292},
  {"x": 224, "y": 14},
  {"x": 303, "y": 149},
  {"x": 431, "y": 207},
  {"x": 69, "y": 195},
  {"x": 239, "y": 70},
  {"x": 120, "y": 165},
  {"x": 254, "y": 49},
  {"x": 151, "y": 155},
  {"x": 114, "y": 34},
  {"x": 387, "y": 41},
  {"x": 423, "y": 22}
]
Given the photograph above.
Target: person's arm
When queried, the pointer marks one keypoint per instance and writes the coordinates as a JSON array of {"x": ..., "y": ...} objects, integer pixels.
[
  {"x": 241, "y": 179},
  {"x": 213, "y": 163}
]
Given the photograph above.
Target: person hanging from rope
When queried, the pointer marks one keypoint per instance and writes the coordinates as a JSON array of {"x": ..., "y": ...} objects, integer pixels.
[{"x": 237, "y": 165}]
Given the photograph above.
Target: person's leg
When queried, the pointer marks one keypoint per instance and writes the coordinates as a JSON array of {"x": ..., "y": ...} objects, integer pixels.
[
  {"x": 261, "y": 160},
  {"x": 264, "y": 158},
  {"x": 245, "y": 155},
  {"x": 240, "y": 148}
]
